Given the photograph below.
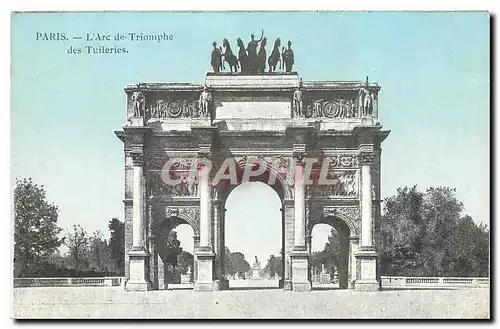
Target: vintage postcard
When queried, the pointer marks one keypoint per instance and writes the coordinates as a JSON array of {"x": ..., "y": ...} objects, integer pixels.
[{"x": 250, "y": 165}]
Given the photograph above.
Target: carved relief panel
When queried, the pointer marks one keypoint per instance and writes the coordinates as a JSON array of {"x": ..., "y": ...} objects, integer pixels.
[
  {"x": 174, "y": 105},
  {"x": 341, "y": 179},
  {"x": 343, "y": 184},
  {"x": 341, "y": 104},
  {"x": 172, "y": 177}
]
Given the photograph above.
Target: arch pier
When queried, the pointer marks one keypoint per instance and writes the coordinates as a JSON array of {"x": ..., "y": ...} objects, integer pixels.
[{"x": 317, "y": 144}]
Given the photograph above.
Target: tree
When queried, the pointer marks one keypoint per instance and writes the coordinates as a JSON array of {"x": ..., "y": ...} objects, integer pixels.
[
  {"x": 35, "y": 227},
  {"x": 240, "y": 263},
  {"x": 185, "y": 261},
  {"x": 172, "y": 249},
  {"x": 99, "y": 253},
  {"x": 117, "y": 245},
  {"x": 401, "y": 233},
  {"x": 424, "y": 234},
  {"x": 78, "y": 248},
  {"x": 273, "y": 266},
  {"x": 234, "y": 262},
  {"x": 331, "y": 255},
  {"x": 229, "y": 266},
  {"x": 468, "y": 249},
  {"x": 441, "y": 212}
]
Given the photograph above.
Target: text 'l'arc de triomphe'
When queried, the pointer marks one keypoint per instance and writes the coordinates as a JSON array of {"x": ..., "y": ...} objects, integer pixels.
[{"x": 272, "y": 117}]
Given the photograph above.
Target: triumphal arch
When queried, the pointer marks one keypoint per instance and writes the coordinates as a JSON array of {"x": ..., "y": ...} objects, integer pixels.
[{"x": 187, "y": 146}]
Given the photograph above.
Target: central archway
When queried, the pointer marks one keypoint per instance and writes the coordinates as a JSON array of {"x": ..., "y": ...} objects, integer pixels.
[
  {"x": 254, "y": 229},
  {"x": 252, "y": 221}
]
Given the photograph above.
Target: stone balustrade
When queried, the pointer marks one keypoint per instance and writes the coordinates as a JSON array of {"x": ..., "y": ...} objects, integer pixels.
[
  {"x": 401, "y": 282},
  {"x": 321, "y": 278},
  {"x": 69, "y": 282},
  {"x": 388, "y": 282}
]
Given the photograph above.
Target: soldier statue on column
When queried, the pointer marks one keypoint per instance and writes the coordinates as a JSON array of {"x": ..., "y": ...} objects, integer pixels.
[
  {"x": 288, "y": 57},
  {"x": 204, "y": 102},
  {"x": 138, "y": 103},
  {"x": 216, "y": 60},
  {"x": 365, "y": 101},
  {"x": 297, "y": 102}
]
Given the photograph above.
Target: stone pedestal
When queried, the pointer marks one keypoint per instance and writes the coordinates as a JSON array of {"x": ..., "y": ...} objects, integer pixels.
[
  {"x": 300, "y": 265},
  {"x": 255, "y": 274},
  {"x": 205, "y": 281},
  {"x": 136, "y": 121},
  {"x": 161, "y": 274},
  {"x": 138, "y": 261},
  {"x": 366, "y": 259}
]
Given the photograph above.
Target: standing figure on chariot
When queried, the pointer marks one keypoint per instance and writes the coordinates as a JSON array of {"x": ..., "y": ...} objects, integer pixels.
[{"x": 252, "y": 53}]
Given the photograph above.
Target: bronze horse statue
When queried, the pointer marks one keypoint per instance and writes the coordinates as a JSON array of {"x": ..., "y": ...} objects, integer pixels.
[
  {"x": 275, "y": 56},
  {"x": 261, "y": 57},
  {"x": 242, "y": 55},
  {"x": 229, "y": 57}
]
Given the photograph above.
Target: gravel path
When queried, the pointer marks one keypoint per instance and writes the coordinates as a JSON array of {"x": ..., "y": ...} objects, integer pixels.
[{"x": 114, "y": 302}]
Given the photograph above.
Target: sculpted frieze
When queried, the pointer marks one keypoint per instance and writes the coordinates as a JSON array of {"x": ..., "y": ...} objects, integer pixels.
[
  {"x": 342, "y": 161},
  {"x": 181, "y": 106},
  {"x": 183, "y": 212},
  {"x": 351, "y": 216},
  {"x": 338, "y": 184},
  {"x": 340, "y": 105}
]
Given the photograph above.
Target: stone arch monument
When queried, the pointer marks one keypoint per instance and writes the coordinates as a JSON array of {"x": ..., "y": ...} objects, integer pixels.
[{"x": 281, "y": 128}]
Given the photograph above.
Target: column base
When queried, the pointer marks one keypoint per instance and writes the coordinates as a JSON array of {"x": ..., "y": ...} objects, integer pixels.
[
  {"x": 366, "y": 260},
  {"x": 300, "y": 270},
  {"x": 366, "y": 285},
  {"x": 287, "y": 284},
  {"x": 204, "y": 286},
  {"x": 205, "y": 281},
  {"x": 138, "y": 260},
  {"x": 137, "y": 286},
  {"x": 217, "y": 285},
  {"x": 301, "y": 286}
]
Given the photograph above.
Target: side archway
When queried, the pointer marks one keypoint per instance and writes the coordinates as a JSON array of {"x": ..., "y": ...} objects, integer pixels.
[
  {"x": 345, "y": 224},
  {"x": 168, "y": 219}
]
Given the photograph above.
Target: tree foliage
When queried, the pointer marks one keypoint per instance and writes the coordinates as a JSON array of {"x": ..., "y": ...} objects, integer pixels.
[
  {"x": 176, "y": 261},
  {"x": 274, "y": 266},
  {"x": 329, "y": 257},
  {"x": 36, "y": 233},
  {"x": 117, "y": 246},
  {"x": 99, "y": 253},
  {"x": 235, "y": 263},
  {"x": 77, "y": 242},
  {"x": 424, "y": 234},
  {"x": 36, "y": 240},
  {"x": 173, "y": 248},
  {"x": 185, "y": 262}
]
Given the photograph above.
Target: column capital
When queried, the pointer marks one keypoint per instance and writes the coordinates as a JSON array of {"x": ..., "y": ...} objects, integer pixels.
[
  {"x": 137, "y": 158},
  {"x": 299, "y": 152},
  {"x": 366, "y": 158},
  {"x": 204, "y": 152}
]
